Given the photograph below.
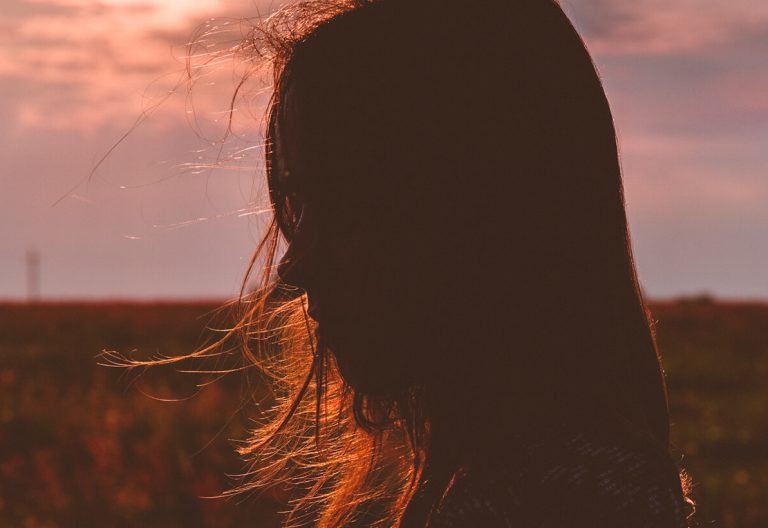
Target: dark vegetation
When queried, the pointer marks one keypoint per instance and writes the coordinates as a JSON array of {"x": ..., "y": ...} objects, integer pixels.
[{"x": 84, "y": 445}]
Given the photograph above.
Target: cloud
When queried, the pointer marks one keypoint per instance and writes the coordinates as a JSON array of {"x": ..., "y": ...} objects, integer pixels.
[
  {"x": 670, "y": 178},
  {"x": 683, "y": 68},
  {"x": 663, "y": 27},
  {"x": 687, "y": 81},
  {"x": 687, "y": 96},
  {"x": 79, "y": 64},
  {"x": 24, "y": 9},
  {"x": 688, "y": 86},
  {"x": 112, "y": 238}
]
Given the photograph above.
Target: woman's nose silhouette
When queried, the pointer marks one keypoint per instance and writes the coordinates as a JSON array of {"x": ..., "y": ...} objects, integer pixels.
[
  {"x": 293, "y": 267},
  {"x": 290, "y": 269},
  {"x": 299, "y": 263}
]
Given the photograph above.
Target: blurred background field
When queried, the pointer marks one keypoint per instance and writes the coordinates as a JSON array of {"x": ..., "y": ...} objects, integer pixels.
[{"x": 85, "y": 445}]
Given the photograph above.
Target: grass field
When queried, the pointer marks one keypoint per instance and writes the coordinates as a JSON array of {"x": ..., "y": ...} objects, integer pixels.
[{"x": 83, "y": 445}]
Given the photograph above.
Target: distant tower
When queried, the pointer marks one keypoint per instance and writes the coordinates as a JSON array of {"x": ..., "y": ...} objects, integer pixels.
[{"x": 33, "y": 275}]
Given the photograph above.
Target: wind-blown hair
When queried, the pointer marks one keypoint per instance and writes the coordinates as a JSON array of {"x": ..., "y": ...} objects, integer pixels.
[
  {"x": 350, "y": 458},
  {"x": 465, "y": 155}
]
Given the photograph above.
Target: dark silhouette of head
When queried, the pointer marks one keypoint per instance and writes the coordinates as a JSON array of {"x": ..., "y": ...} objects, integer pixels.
[{"x": 447, "y": 179}]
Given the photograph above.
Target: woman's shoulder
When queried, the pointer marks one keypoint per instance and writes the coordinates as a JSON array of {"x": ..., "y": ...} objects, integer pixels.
[
  {"x": 567, "y": 478},
  {"x": 607, "y": 479}
]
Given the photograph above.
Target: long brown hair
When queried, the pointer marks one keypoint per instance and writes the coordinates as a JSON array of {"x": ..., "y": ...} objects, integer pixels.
[{"x": 466, "y": 156}]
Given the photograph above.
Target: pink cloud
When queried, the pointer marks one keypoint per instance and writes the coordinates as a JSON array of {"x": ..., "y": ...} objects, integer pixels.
[
  {"x": 107, "y": 57},
  {"x": 747, "y": 91},
  {"x": 660, "y": 27},
  {"x": 708, "y": 178}
]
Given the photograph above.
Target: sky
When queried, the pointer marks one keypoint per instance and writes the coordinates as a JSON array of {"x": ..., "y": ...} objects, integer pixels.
[{"x": 174, "y": 213}]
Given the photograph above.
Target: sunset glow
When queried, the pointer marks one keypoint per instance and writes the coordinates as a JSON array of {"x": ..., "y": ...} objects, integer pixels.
[{"x": 687, "y": 81}]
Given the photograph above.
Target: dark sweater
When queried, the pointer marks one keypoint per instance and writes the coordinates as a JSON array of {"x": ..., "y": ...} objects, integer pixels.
[{"x": 567, "y": 478}]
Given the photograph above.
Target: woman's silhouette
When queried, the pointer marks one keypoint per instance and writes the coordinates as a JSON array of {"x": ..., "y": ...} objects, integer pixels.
[{"x": 477, "y": 351}]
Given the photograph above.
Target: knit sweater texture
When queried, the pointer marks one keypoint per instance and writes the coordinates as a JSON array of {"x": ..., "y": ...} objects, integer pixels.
[{"x": 567, "y": 478}]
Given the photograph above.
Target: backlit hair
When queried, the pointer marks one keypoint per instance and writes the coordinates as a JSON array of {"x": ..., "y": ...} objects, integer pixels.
[{"x": 474, "y": 142}]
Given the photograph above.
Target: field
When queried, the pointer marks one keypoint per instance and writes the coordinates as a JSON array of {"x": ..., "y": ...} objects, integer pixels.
[{"x": 85, "y": 445}]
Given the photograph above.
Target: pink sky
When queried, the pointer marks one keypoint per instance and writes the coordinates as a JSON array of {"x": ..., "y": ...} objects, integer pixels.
[{"x": 687, "y": 80}]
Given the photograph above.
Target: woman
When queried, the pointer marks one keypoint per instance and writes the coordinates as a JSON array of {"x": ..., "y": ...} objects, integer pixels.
[{"x": 475, "y": 349}]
